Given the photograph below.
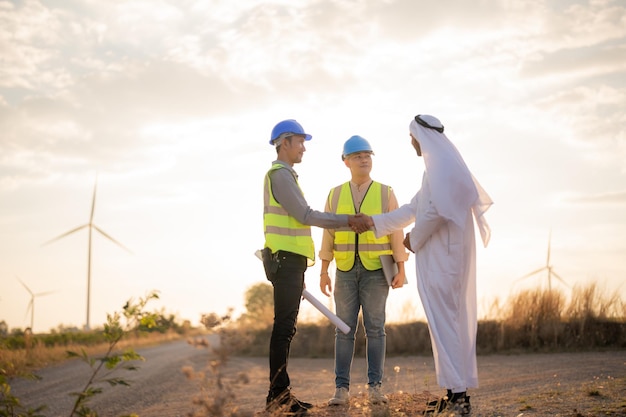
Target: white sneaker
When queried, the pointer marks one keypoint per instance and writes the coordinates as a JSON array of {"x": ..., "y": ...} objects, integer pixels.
[
  {"x": 341, "y": 397},
  {"x": 376, "y": 395}
]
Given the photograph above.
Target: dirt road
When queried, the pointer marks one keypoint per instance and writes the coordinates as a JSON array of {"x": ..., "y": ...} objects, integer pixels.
[{"x": 562, "y": 384}]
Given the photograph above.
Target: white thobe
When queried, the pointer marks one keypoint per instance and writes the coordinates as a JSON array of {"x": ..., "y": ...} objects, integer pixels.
[{"x": 445, "y": 263}]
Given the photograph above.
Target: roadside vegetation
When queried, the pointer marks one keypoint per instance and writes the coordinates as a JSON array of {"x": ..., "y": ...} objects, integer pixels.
[
  {"x": 21, "y": 351},
  {"x": 106, "y": 355},
  {"x": 529, "y": 321}
]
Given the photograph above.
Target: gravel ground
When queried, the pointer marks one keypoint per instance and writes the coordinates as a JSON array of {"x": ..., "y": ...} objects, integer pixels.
[{"x": 558, "y": 384}]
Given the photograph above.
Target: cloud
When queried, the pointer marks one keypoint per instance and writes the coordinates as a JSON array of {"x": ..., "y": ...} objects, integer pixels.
[
  {"x": 586, "y": 22},
  {"x": 579, "y": 61},
  {"x": 406, "y": 20},
  {"x": 596, "y": 118},
  {"x": 618, "y": 197},
  {"x": 83, "y": 82},
  {"x": 26, "y": 34}
]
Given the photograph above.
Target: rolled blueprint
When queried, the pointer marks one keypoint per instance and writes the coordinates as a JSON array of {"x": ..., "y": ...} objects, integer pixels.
[
  {"x": 321, "y": 307},
  {"x": 325, "y": 311}
]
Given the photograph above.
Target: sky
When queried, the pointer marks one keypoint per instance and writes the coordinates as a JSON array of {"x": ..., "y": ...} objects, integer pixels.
[{"x": 169, "y": 106}]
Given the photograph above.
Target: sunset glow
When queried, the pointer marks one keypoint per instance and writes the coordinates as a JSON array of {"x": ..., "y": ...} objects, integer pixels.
[{"x": 170, "y": 105}]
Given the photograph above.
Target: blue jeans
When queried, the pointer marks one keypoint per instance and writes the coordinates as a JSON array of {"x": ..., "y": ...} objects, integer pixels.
[{"x": 355, "y": 290}]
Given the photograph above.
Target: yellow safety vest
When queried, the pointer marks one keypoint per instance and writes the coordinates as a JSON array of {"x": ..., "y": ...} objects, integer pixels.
[
  {"x": 282, "y": 231},
  {"x": 376, "y": 201}
]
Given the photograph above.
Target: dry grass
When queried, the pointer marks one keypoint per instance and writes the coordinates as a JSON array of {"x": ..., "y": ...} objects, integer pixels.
[
  {"x": 589, "y": 302},
  {"x": 15, "y": 362},
  {"x": 547, "y": 320},
  {"x": 531, "y": 320},
  {"x": 528, "y": 321}
]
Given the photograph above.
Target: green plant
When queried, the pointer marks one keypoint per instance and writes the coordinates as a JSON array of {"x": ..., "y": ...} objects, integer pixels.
[
  {"x": 10, "y": 405},
  {"x": 104, "y": 368}
]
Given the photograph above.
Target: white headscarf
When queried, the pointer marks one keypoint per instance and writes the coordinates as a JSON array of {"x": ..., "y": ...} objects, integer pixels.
[{"x": 453, "y": 187}]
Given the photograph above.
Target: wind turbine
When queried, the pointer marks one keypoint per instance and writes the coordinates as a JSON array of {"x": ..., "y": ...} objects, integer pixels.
[
  {"x": 31, "y": 304},
  {"x": 547, "y": 267},
  {"x": 91, "y": 227}
]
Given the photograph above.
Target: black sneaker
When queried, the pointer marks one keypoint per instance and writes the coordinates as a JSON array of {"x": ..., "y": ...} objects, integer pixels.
[
  {"x": 464, "y": 407},
  {"x": 287, "y": 402},
  {"x": 303, "y": 404},
  {"x": 458, "y": 402}
]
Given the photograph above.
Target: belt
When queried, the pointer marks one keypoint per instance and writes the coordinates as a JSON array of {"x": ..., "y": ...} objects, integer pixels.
[{"x": 287, "y": 254}]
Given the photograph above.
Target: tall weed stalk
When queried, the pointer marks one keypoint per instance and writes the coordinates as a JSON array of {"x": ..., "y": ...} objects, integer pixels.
[{"x": 217, "y": 397}]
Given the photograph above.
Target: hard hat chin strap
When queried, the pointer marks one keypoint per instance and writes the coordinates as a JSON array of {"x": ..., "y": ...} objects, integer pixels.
[{"x": 279, "y": 140}]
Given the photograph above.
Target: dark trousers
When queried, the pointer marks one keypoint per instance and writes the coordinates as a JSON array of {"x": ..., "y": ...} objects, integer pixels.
[{"x": 288, "y": 282}]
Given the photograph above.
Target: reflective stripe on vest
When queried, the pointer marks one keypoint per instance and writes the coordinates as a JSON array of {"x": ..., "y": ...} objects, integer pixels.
[
  {"x": 282, "y": 231},
  {"x": 376, "y": 201}
]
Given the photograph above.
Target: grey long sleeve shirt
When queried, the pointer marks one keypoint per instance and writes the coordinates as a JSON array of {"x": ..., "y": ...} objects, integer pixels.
[{"x": 287, "y": 192}]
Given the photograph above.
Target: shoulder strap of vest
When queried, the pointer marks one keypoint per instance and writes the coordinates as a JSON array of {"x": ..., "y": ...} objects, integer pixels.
[
  {"x": 276, "y": 167},
  {"x": 333, "y": 197},
  {"x": 385, "y": 191}
]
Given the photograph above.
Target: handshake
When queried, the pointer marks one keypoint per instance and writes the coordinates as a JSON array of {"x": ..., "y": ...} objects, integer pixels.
[{"x": 360, "y": 222}]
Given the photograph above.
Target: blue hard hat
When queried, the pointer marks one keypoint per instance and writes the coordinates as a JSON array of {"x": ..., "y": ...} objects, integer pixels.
[
  {"x": 288, "y": 126},
  {"x": 355, "y": 144}
]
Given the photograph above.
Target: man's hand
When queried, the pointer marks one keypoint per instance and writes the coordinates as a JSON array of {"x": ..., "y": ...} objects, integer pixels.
[
  {"x": 325, "y": 285},
  {"x": 407, "y": 242},
  {"x": 360, "y": 222},
  {"x": 398, "y": 280}
]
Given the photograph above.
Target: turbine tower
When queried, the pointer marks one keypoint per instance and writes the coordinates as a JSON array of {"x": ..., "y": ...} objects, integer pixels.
[
  {"x": 90, "y": 227},
  {"x": 547, "y": 267},
  {"x": 31, "y": 303}
]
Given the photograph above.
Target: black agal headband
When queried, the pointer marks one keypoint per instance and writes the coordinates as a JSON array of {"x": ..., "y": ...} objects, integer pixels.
[{"x": 426, "y": 125}]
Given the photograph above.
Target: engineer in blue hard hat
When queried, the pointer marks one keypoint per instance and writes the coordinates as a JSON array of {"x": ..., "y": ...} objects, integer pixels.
[
  {"x": 443, "y": 212},
  {"x": 360, "y": 284},
  {"x": 288, "y": 250}
]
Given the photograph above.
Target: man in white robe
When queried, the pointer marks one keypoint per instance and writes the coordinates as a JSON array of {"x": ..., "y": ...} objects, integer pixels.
[{"x": 445, "y": 256}]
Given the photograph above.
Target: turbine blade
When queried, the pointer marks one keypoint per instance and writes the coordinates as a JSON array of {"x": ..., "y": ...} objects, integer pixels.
[
  {"x": 531, "y": 273},
  {"x": 111, "y": 239},
  {"x": 25, "y": 286},
  {"x": 65, "y": 234},
  {"x": 41, "y": 294},
  {"x": 560, "y": 279},
  {"x": 93, "y": 201}
]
